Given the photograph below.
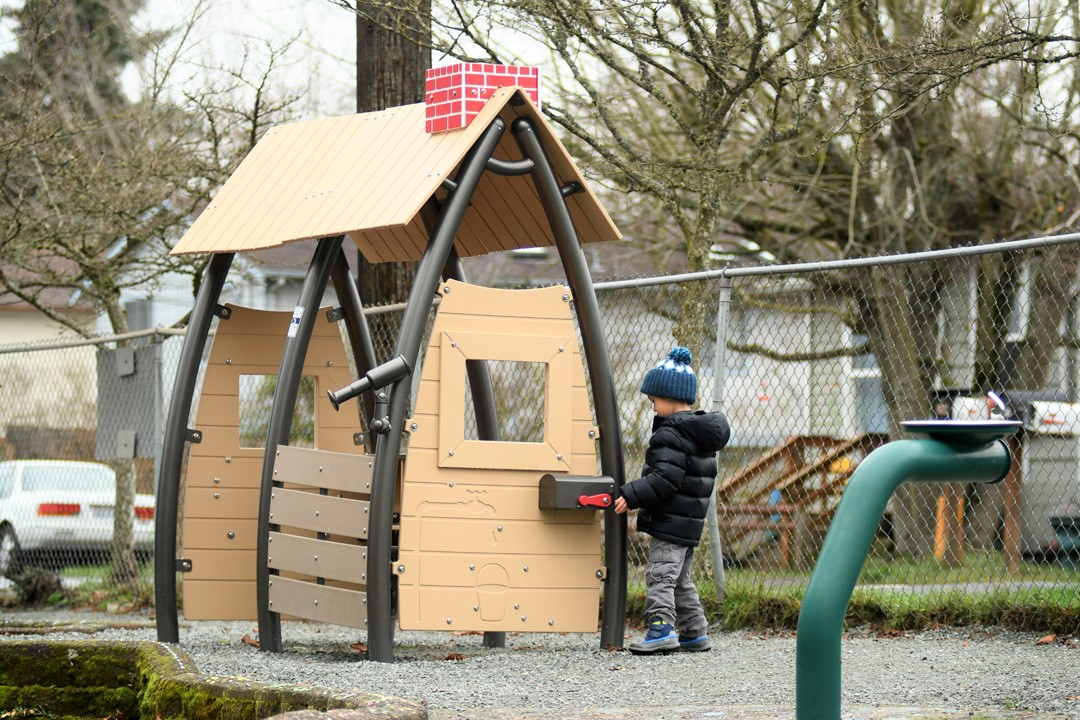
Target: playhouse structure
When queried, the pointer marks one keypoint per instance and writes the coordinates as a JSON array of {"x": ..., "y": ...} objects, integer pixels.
[{"x": 399, "y": 513}]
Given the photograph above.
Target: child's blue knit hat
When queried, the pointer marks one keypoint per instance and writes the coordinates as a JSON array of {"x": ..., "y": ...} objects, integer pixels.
[{"x": 672, "y": 378}]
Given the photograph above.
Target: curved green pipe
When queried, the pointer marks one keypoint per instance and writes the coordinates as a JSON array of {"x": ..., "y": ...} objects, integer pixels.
[{"x": 821, "y": 619}]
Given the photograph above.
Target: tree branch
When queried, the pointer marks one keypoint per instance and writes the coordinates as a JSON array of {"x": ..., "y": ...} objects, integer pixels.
[{"x": 806, "y": 356}]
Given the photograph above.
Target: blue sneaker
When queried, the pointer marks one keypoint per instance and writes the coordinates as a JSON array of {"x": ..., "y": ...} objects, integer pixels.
[
  {"x": 661, "y": 638},
  {"x": 694, "y": 644}
]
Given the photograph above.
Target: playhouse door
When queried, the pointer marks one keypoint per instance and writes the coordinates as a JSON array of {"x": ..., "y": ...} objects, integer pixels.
[{"x": 476, "y": 552}]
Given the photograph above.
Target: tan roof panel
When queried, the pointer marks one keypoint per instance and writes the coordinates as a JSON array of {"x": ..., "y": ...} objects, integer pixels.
[{"x": 368, "y": 176}]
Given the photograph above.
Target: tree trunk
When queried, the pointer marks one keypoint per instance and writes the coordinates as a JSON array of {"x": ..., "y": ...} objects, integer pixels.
[
  {"x": 389, "y": 72},
  {"x": 696, "y": 309},
  {"x": 893, "y": 331},
  {"x": 998, "y": 276},
  {"x": 1051, "y": 294},
  {"x": 125, "y": 571}
]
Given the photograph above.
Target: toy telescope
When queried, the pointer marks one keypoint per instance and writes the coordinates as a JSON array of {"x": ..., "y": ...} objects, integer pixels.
[{"x": 378, "y": 377}]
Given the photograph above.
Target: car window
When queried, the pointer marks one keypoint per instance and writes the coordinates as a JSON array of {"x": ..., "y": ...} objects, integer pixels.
[
  {"x": 7, "y": 480},
  {"x": 57, "y": 477}
]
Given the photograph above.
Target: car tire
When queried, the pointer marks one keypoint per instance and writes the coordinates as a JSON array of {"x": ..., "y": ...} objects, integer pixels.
[{"x": 10, "y": 554}]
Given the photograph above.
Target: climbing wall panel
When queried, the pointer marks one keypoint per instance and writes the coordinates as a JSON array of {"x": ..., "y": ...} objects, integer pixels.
[
  {"x": 476, "y": 552},
  {"x": 221, "y": 501}
]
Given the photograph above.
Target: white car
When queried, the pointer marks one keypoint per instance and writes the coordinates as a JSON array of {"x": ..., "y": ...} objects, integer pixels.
[{"x": 60, "y": 505}]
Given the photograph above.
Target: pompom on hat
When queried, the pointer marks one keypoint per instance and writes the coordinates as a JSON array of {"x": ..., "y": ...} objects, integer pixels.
[{"x": 672, "y": 378}]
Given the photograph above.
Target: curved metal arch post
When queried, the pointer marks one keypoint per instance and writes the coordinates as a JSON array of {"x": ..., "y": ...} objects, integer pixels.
[
  {"x": 172, "y": 451},
  {"x": 483, "y": 397},
  {"x": 292, "y": 365},
  {"x": 596, "y": 354},
  {"x": 358, "y": 330},
  {"x": 414, "y": 320}
]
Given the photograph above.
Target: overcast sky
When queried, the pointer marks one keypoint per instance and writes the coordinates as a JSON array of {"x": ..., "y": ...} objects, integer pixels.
[
  {"x": 320, "y": 61},
  {"x": 321, "y": 58}
]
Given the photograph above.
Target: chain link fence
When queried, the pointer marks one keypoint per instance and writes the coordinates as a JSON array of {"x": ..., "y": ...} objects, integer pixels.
[
  {"x": 818, "y": 367},
  {"x": 79, "y": 431}
]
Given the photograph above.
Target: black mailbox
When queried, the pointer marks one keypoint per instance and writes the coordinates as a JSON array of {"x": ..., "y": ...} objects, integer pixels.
[{"x": 569, "y": 492}]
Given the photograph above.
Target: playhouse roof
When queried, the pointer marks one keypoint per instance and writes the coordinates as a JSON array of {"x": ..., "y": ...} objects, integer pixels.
[{"x": 369, "y": 175}]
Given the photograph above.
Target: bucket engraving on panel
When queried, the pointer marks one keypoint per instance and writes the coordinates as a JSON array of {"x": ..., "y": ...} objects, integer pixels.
[{"x": 492, "y": 588}]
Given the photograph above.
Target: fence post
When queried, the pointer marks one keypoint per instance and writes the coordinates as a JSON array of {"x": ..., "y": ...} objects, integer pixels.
[{"x": 719, "y": 368}]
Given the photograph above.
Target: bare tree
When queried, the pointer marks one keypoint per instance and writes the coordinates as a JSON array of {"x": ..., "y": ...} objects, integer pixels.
[
  {"x": 95, "y": 186},
  {"x": 949, "y": 138},
  {"x": 818, "y": 130}
]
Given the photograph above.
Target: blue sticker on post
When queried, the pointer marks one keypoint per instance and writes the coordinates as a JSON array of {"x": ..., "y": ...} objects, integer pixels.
[{"x": 294, "y": 324}]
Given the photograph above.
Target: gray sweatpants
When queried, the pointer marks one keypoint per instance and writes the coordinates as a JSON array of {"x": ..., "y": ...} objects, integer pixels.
[{"x": 669, "y": 592}]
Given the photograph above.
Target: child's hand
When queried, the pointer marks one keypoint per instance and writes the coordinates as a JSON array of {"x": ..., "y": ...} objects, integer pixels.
[{"x": 620, "y": 505}]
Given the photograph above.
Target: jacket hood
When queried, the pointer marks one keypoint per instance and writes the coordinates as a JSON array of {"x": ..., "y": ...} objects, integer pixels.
[{"x": 710, "y": 431}]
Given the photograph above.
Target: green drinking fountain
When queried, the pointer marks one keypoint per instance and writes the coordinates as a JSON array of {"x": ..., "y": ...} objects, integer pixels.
[{"x": 952, "y": 452}]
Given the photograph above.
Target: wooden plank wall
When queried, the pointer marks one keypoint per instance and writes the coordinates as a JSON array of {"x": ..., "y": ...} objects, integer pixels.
[
  {"x": 476, "y": 552},
  {"x": 221, "y": 501}
]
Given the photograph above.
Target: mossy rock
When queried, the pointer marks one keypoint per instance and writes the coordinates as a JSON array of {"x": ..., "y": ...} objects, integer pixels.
[{"x": 139, "y": 679}]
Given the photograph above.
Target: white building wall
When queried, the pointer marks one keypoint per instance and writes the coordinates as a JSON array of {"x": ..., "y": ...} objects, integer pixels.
[{"x": 48, "y": 388}]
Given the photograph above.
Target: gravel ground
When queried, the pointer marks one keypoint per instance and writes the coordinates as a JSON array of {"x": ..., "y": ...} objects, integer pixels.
[{"x": 963, "y": 670}]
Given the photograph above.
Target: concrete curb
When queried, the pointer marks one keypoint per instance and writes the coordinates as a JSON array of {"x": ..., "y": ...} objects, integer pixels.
[{"x": 698, "y": 712}]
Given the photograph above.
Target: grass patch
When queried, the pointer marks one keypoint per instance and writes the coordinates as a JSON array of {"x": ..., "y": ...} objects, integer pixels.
[
  {"x": 901, "y": 593},
  {"x": 882, "y": 568},
  {"x": 741, "y": 608},
  {"x": 1052, "y": 610},
  {"x": 81, "y": 586},
  {"x": 757, "y": 606}
]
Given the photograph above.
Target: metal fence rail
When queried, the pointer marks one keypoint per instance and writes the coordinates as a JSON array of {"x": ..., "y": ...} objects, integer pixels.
[{"x": 817, "y": 366}]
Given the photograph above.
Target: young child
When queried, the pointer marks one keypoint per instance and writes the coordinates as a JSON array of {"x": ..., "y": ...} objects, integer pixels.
[{"x": 672, "y": 496}]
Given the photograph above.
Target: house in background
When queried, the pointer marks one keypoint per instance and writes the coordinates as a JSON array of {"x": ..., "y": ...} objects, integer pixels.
[
  {"x": 766, "y": 399},
  {"x": 21, "y": 323},
  {"x": 49, "y": 398},
  {"x": 266, "y": 279},
  {"x": 50, "y": 389}
]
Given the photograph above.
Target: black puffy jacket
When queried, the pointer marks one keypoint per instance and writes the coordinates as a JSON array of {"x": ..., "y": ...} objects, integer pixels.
[{"x": 672, "y": 494}]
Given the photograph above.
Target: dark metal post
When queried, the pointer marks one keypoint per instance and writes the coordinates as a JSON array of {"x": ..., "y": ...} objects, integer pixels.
[
  {"x": 414, "y": 320},
  {"x": 172, "y": 451},
  {"x": 359, "y": 332},
  {"x": 281, "y": 412},
  {"x": 596, "y": 354},
  {"x": 483, "y": 397}
]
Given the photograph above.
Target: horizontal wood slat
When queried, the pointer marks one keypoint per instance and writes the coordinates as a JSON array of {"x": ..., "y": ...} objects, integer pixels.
[
  {"x": 318, "y": 602},
  {"x": 319, "y": 513},
  {"x": 224, "y": 471},
  {"x": 219, "y": 600},
  {"x": 223, "y": 534},
  {"x": 322, "y": 469},
  {"x": 220, "y": 565},
  {"x": 322, "y": 558},
  {"x": 204, "y": 502}
]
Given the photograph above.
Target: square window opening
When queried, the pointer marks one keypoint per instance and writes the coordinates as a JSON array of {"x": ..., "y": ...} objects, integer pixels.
[
  {"x": 519, "y": 397},
  {"x": 256, "y": 399}
]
